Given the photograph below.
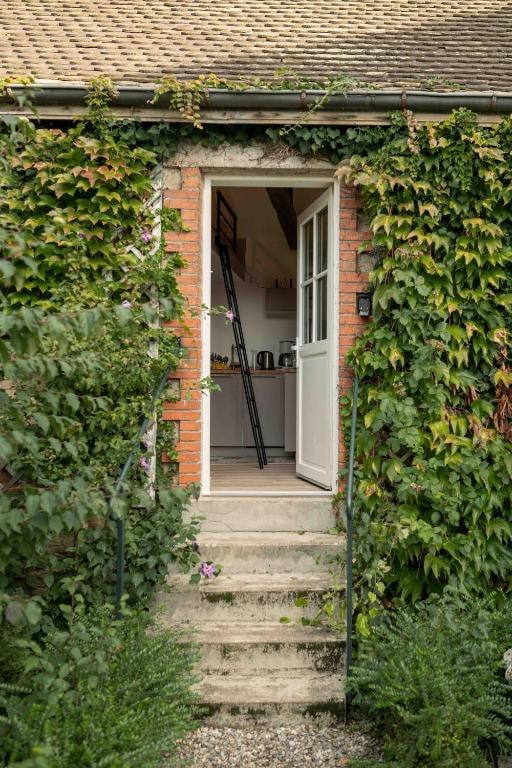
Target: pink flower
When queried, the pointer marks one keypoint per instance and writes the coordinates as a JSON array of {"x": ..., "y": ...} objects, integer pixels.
[
  {"x": 146, "y": 236},
  {"x": 144, "y": 463},
  {"x": 127, "y": 304},
  {"x": 208, "y": 570},
  {"x": 230, "y": 315}
]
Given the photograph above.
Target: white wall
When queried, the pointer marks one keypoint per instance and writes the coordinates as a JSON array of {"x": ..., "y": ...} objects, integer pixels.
[
  {"x": 267, "y": 257},
  {"x": 260, "y": 332}
]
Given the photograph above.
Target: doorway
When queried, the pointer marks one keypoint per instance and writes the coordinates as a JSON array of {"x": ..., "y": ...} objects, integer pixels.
[{"x": 284, "y": 275}]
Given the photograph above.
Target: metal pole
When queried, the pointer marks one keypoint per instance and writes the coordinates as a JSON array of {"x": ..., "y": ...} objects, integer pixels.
[{"x": 350, "y": 518}]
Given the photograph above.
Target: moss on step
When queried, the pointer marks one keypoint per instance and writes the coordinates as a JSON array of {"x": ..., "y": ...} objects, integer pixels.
[
  {"x": 334, "y": 708},
  {"x": 221, "y": 597}
]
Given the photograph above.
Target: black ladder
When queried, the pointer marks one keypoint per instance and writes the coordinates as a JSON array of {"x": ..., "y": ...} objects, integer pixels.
[{"x": 224, "y": 238}]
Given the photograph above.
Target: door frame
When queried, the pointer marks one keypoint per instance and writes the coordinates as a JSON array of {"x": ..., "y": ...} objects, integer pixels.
[{"x": 210, "y": 181}]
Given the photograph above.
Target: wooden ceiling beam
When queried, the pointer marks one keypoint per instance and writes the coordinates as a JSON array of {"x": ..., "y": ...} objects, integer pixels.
[{"x": 282, "y": 202}]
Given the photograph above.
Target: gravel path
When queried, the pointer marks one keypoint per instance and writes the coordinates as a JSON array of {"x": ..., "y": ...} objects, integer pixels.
[{"x": 304, "y": 746}]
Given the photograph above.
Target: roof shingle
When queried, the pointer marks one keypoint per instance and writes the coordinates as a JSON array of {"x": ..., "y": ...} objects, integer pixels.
[{"x": 393, "y": 43}]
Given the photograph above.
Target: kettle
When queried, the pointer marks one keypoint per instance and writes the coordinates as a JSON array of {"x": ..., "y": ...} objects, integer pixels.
[
  {"x": 265, "y": 360},
  {"x": 286, "y": 360}
]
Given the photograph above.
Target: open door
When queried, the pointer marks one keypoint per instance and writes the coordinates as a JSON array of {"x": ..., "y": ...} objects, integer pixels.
[{"x": 315, "y": 325}]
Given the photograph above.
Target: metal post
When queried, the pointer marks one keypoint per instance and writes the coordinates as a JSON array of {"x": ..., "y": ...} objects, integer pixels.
[
  {"x": 119, "y": 565},
  {"x": 350, "y": 519}
]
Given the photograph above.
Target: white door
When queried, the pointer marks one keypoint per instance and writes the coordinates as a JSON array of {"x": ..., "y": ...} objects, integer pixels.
[{"x": 315, "y": 326}]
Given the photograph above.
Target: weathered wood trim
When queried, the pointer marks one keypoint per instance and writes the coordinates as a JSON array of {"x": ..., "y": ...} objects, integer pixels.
[{"x": 234, "y": 117}]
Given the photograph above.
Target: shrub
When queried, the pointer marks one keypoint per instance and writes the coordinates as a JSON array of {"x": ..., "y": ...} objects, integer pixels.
[
  {"x": 82, "y": 262},
  {"x": 432, "y": 678},
  {"x": 103, "y": 693}
]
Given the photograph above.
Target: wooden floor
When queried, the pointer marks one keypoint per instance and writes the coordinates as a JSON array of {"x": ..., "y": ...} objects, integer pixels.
[{"x": 245, "y": 475}]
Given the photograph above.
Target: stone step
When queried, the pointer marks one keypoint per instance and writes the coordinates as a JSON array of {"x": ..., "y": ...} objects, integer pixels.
[
  {"x": 243, "y": 597},
  {"x": 249, "y": 648},
  {"x": 259, "y": 663},
  {"x": 264, "y": 513},
  {"x": 277, "y": 699},
  {"x": 287, "y": 552}
]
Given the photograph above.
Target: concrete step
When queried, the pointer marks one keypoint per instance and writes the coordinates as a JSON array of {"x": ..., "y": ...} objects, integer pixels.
[
  {"x": 256, "y": 552},
  {"x": 278, "y": 562},
  {"x": 264, "y": 513},
  {"x": 243, "y": 597},
  {"x": 264, "y": 648},
  {"x": 279, "y": 698}
]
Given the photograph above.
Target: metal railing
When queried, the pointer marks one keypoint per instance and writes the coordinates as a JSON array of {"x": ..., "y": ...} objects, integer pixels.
[
  {"x": 350, "y": 533},
  {"x": 120, "y": 526}
]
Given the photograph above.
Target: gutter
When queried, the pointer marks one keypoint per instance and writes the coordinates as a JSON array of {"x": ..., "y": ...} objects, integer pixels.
[{"x": 256, "y": 105}]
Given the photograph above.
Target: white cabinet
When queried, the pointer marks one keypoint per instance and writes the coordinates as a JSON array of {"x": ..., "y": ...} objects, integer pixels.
[
  {"x": 230, "y": 423},
  {"x": 290, "y": 410},
  {"x": 226, "y": 411},
  {"x": 269, "y": 394}
]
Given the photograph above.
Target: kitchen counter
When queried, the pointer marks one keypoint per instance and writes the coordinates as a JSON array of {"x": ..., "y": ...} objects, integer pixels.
[
  {"x": 254, "y": 372},
  {"x": 275, "y": 395}
]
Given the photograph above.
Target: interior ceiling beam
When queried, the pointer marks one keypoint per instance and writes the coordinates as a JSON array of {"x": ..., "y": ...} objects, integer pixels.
[{"x": 282, "y": 201}]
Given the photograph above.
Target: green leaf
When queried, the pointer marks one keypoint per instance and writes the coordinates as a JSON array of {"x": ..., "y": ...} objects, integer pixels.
[{"x": 33, "y": 613}]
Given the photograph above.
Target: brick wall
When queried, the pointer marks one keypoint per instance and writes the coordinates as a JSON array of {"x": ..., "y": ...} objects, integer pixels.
[
  {"x": 353, "y": 231},
  {"x": 183, "y": 190}
]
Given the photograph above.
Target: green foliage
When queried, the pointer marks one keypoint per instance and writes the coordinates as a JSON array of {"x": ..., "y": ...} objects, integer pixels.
[
  {"x": 79, "y": 201},
  {"x": 439, "y": 83},
  {"x": 103, "y": 692},
  {"x": 188, "y": 96},
  {"x": 432, "y": 680},
  {"x": 434, "y": 457},
  {"x": 335, "y": 144},
  {"x": 434, "y": 451},
  {"x": 88, "y": 287}
]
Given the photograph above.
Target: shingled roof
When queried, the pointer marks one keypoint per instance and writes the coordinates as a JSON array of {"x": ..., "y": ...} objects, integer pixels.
[{"x": 389, "y": 43}]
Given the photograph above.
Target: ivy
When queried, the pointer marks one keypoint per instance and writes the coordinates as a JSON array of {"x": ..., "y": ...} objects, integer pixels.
[
  {"x": 434, "y": 456},
  {"x": 188, "y": 96},
  {"x": 88, "y": 289}
]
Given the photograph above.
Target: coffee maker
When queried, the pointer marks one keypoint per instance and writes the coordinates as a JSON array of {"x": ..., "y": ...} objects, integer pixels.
[{"x": 286, "y": 354}]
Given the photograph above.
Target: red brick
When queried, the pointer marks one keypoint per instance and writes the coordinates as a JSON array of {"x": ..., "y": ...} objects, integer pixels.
[{"x": 187, "y": 410}]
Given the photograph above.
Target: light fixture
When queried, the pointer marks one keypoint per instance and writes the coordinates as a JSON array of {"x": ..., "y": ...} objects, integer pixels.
[{"x": 364, "y": 304}]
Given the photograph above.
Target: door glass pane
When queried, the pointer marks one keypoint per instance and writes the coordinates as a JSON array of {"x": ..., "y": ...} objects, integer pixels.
[
  {"x": 308, "y": 250},
  {"x": 321, "y": 309},
  {"x": 307, "y": 304},
  {"x": 322, "y": 240}
]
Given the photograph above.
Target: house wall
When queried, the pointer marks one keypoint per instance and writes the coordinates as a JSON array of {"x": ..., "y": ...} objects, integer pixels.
[
  {"x": 260, "y": 330},
  {"x": 351, "y": 282},
  {"x": 183, "y": 190}
]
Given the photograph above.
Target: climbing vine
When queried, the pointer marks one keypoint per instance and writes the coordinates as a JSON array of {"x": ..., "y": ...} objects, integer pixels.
[
  {"x": 434, "y": 455},
  {"x": 188, "y": 96},
  {"x": 88, "y": 288},
  {"x": 434, "y": 452}
]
